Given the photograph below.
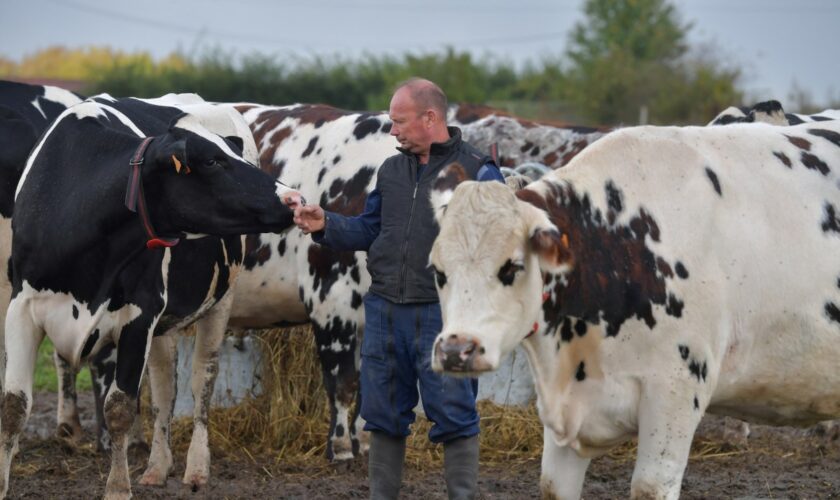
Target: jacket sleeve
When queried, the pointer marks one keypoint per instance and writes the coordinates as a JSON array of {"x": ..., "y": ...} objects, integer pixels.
[
  {"x": 354, "y": 233},
  {"x": 489, "y": 172}
]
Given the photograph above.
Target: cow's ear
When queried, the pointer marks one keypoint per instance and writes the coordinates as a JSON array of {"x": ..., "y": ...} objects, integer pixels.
[
  {"x": 236, "y": 141},
  {"x": 171, "y": 152},
  {"x": 447, "y": 180},
  {"x": 546, "y": 240}
]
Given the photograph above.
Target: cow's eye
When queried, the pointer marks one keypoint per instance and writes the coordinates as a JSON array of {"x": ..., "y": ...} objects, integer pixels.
[
  {"x": 440, "y": 278},
  {"x": 507, "y": 273},
  {"x": 212, "y": 163}
]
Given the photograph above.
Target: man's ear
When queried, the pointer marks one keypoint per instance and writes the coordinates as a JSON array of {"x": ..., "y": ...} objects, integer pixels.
[
  {"x": 447, "y": 180},
  {"x": 547, "y": 241}
]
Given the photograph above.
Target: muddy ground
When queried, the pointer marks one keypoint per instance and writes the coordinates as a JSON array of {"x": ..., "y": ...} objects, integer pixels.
[{"x": 776, "y": 463}]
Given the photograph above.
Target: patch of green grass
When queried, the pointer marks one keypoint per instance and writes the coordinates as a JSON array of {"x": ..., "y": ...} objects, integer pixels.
[{"x": 45, "y": 377}]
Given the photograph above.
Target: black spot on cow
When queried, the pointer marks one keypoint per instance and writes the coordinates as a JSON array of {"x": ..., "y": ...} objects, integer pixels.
[
  {"x": 536, "y": 151},
  {"x": 319, "y": 151},
  {"x": 696, "y": 403},
  {"x": 354, "y": 274},
  {"x": 829, "y": 135},
  {"x": 784, "y": 159},
  {"x": 75, "y": 312},
  {"x": 818, "y": 118},
  {"x": 694, "y": 368},
  {"x": 832, "y": 311},
  {"x": 339, "y": 430},
  {"x": 386, "y": 128},
  {"x": 714, "y": 178},
  {"x": 281, "y": 247},
  {"x": 507, "y": 273},
  {"x": 310, "y": 147},
  {"x": 793, "y": 119},
  {"x": 682, "y": 272},
  {"x": 580, "y": 374},
  {"x": 703, "y": 371},
  {"x": 89, "y": 343},
  {"x": 580, "y": 328},
  {"x": 366, "y": 127},
  {"x": 684, "y": 352},
  {"x": 336, "y": 159},
  {"x": 440, "y": 278},
  {"x": 326, "y": 267},
  {"x": 525, "y": 147},
  {"x": 831, "y": 222},
  {"x": 675, "y": 306},
  {"x": 566, "y": 334},
  {"x": 614, "y": 197},
  {"x": 321, "y": 175},
  {"x": 812, "y": 162},
  {"x": 256, "y": 252},
  {"x": 356, "y": 301}
]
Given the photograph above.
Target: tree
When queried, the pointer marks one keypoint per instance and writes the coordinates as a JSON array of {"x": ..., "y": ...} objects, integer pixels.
[{"x": 629, "y": 54}]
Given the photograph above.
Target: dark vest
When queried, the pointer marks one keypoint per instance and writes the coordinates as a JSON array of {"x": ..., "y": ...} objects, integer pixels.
[{"x": 398, "y": 260}]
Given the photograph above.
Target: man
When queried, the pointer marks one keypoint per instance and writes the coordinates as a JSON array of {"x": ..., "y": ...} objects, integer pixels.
[{"x": 402, "y": 312}]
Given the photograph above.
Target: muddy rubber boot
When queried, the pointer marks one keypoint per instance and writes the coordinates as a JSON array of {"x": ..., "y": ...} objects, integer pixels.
[
  {"x": 460, "y": 466},
  {"x": 385, "y": 465}
]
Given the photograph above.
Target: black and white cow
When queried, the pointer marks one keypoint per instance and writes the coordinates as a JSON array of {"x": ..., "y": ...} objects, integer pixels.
[
  {"x": 93, "y": 275},
  {"x": 663, "y": 273},
  {"x": 769, "y": 112},
  {"x": 25, "y": 112}
]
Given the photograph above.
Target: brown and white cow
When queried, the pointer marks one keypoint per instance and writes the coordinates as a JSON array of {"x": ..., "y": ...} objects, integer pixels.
[{"x": 663, "y": 273}]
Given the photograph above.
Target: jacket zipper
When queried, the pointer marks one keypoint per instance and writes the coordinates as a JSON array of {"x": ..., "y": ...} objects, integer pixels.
[{"x": 405, "y": 243}]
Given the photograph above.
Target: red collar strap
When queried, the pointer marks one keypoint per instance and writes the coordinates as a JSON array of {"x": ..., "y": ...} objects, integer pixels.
[
  {"x": 545, "y": 297},
  {"x": 136, "y": 202}
]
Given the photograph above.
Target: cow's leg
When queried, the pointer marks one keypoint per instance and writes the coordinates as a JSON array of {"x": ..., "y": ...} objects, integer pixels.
[
  {"x": 163, "y": 380},
  {"x": 22, "y": 349},
  {"x": 69, "y": 425},
  {"x": 102, "y": 368},
  {"x": 667, "y": 421},
  {"x": 210, "y": 332},
  {"x": 336, "y": 345},
  {"x": 120, "y": 406},
  {"x": 563, "y": 470}
]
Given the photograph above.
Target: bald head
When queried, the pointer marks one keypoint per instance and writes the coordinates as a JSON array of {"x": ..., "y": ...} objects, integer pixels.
[{"x": 425, "y": 94}]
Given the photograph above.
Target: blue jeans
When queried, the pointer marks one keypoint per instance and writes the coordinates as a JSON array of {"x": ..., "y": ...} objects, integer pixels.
[{"x": 396, "y": 353}]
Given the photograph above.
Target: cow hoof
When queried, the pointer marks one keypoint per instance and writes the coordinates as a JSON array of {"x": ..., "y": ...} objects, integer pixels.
[
  {"x": 117, "y": 495},
  {"x": 153, "y": 477},
  {"x": 195, "y": 481},
  {"x": 70, "y": 431}
]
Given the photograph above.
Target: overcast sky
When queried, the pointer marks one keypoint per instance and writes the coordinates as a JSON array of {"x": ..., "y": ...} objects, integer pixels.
[{"x": 776, "y": 42}]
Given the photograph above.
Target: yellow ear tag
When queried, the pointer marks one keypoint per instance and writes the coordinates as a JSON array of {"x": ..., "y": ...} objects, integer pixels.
[
  {"x": 177, "y": 164},
  {"x": 565, "y": 240}
]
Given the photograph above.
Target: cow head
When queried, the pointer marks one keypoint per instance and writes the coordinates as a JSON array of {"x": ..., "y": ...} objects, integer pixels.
[
  {"x": 489, "y": 259},
  {"x": 198, "y": 182}
]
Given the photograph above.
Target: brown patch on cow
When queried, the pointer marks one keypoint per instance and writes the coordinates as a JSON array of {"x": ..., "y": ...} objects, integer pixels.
[
  {"x": 318, "y": 114},
  {"x": 664, "y": 267},
  {"x": 783, "y": 158},
  {"x": 244, "y": 108},
  {"x": 616, "y": 276},
  {"x": 800, "y": 143},
  {"x": 550, "y": 158},
  {"x": 268, "y": 148},
  {"x": 14, "y": 414},
  {"x": 451, "y": 175},
  {"x": 347, "y": 197},
  {"x": 120, "y": 410},
  {"x": 576, "y": 148}
]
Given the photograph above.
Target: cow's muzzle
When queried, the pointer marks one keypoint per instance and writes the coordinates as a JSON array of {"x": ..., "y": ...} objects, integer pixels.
[{"x": 454, "y": 353}]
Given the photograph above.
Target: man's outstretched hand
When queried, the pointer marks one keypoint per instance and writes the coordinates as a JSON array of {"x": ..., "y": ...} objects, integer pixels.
[{"x": 310, "y": 218}]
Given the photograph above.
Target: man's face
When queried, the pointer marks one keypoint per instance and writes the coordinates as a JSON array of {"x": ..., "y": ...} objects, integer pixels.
[{"x": 412, "y": 126}]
